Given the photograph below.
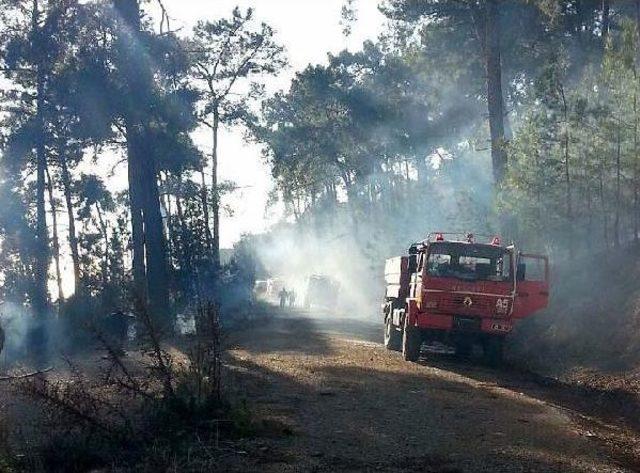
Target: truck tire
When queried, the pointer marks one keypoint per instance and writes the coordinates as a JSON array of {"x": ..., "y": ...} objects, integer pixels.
[
  {"x": 411, "y": 342},
  {"x": 392, "y": 336},
  {"x": 493, "y": 351}
]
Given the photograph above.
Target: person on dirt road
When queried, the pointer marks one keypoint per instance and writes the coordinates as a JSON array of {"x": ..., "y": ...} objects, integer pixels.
[
  {"x": 292, "y": 298},
  {"x": 283, "y": 297}
]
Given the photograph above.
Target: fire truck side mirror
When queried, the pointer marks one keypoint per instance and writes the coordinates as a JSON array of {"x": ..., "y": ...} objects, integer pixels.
[{"x": 521, "y": 272}]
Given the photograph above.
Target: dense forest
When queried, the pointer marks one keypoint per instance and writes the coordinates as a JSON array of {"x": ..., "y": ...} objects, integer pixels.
[
  {"x": 518, "y": 118},
  {"x": 131, "y": 339}
]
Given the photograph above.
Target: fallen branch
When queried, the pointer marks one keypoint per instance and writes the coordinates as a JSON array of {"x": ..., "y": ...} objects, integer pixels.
[{"x": 25, "y": 376}]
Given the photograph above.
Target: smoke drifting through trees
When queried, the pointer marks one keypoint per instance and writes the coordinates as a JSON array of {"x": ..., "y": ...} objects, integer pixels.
[
  {"x": 482, "y": 116},
  {"x": 84, "y": 81},
  {"x": 361, "y": 135}
]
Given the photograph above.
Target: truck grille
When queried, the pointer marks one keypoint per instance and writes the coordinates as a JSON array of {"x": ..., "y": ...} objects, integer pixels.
[{"x": 465, "y": 304}]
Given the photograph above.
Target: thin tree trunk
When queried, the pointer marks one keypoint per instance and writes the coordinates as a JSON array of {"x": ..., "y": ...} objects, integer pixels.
[
  {"x": 73, "y": 239},
  {"x": 105, "y": 238},
  {"x": 56, "y": 241},
  {"x": 567, "y": 171},
  {"x": 606, "y": 22},
  {"x": 205, "y": 207},
  {"x": 636, "y": 172},
  {"x": 185, "y": 263},
  {"x": 616, "y": 225},
  {"x": 605, "y": 214},
  {"x": 40, "y": 296},
  {"x": 215, "y": 197}
]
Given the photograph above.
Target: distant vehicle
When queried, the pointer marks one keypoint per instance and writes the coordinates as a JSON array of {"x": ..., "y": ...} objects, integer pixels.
[
  {"x": 260, "y": 288},
  {"x": 274, "y": 286},
  {"x": 460, "y": 292},
  {"x": 322, "y": 291}
]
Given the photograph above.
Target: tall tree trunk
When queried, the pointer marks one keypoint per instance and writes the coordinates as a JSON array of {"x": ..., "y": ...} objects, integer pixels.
[
  {"x": 567, "y": 171},
  {"x": 616, "y": 225},
  {"x": 606, "y": 22},
  {"x": 636, "y": 129},
  {"x": 105, "y": 237},
  {"x": 41, "y": 269},
  {"x": 129, "y": 14},
  {"x": 155, "y": 246},
  {"x": 56, "y": 240},
  {"x": 215, "y": 196},
  {"x": 495, "y": 98},
  {"x": 636, "y": 157},
  {"x": 73, "y": 239},
  {"x": 205, "y": 208},
  {"x": 146, "y": 218},
  {"x": 184, "y": 254},
  {"x": 137, "y": 221},
  {"x": 605, "y": 211}
]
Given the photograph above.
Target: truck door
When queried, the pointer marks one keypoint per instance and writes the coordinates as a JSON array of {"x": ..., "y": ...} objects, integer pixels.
[
  {"x": 416, "y": 279},
  {"x": 532, "y": 284}
]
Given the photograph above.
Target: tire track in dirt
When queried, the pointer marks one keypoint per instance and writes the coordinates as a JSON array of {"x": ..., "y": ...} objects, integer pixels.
[{"x": 329, "y": 397}]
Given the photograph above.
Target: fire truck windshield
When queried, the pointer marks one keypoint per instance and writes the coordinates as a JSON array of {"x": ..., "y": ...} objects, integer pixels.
[{"x": 469, "y": 262}]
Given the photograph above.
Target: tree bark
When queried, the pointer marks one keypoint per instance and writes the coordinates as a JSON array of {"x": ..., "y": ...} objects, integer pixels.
[
  {"x": 155, "y": 248},
  {"x": 137, "y": 221},
  {"x": 606, "y": 22},
  {"x": 215, "y": 196},
  {"x": 73, "y": 239},
  {"x": 149, "y": 250},
  {"x": 56, "y": 240},
  {"x": 205, "y": 208},
  {"x": 41, "y": 270},
  {"x": 567, "y": 170},
  {"x": 105, "y": 238},
  {"x": 616, "y": 225},
  {"x": 495, "y": 98}
]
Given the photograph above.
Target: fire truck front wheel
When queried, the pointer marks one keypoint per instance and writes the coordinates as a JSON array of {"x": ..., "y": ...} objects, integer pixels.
[
  {"x": 411, "y": 342},
  {"x": 392, "y": 336}
]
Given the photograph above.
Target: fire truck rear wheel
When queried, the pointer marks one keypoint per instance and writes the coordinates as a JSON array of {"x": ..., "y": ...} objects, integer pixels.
[
  {"x": 392, "y": 336},
  {"x": 493, "y": 350},
  {"x": 411, "y": 342}
]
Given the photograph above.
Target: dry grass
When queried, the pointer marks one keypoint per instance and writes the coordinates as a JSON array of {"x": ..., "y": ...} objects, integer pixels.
[{"x": 149, "y": 411}]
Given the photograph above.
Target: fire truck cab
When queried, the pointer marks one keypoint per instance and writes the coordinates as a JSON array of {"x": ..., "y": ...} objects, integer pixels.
[{"x": 460, "y": 292}]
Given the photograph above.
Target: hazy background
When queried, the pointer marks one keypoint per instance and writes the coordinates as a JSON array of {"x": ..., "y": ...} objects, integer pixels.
[{"x": 309, "y": 30}]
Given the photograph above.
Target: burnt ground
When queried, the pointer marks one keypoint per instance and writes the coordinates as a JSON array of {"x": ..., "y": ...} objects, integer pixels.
[{"x": 327, "y": 396}]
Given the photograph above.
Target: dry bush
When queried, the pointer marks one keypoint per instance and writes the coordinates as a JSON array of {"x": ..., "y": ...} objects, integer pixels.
[
  {"x": 5, "y": 447},
  {"x": 141, "y": 412}
]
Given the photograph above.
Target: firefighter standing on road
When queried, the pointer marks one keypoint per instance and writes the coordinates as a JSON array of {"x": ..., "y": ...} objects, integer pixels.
[{"x": 283, "y": 297}]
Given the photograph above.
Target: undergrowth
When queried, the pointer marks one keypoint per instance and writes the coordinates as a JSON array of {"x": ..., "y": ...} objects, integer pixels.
[{"x": 148, "y": 410}]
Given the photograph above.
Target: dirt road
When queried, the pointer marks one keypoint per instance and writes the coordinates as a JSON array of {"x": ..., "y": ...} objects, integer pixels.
[{"x": 328, "y": 396}]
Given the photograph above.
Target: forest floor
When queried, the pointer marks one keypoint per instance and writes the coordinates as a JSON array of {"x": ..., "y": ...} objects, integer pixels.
[
  {"x": 327, "y": 396},
  {"x": 323, "y": 394}
]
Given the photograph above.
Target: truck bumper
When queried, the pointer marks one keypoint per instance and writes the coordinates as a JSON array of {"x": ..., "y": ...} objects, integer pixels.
[{"x": 454, "y": 323}]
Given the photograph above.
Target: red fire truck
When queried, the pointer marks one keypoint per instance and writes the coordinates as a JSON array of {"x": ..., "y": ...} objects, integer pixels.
[{"x": 455, "y": 290}]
